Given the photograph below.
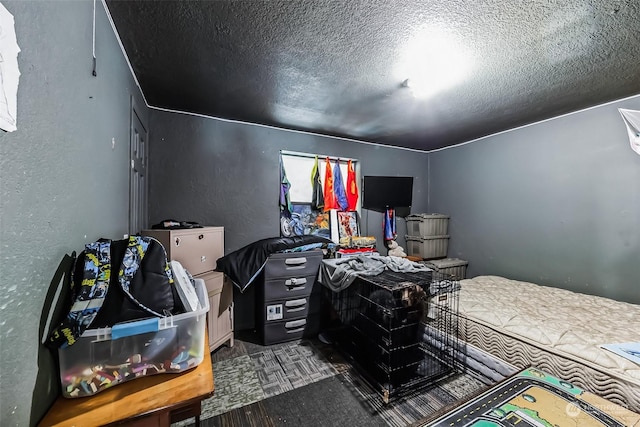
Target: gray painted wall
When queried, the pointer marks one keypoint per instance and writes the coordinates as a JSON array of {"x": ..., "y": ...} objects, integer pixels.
[
  {"x": 61, "y": 183},
  {"x": 557, "y": 203},
  {"x": 223, "y": 173}
]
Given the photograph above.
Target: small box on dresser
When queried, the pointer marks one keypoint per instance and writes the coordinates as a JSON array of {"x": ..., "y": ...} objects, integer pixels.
[{"x": 198, "y": 249}]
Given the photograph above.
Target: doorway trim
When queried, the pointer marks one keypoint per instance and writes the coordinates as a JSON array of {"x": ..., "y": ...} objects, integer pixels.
[{"x": 138, "y": 171}]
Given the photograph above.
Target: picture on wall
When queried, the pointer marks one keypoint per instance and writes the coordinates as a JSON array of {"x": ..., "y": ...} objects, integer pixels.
[
  {"x": 305, "y": 221},
  {"x": 348, "y": 224}
]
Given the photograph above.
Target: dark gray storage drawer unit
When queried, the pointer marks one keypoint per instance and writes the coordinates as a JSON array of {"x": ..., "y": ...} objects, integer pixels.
[{"x": 284, "y": 295}]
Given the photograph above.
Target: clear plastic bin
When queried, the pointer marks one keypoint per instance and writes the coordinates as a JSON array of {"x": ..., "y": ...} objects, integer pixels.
[{"x": 104, "y": 357}]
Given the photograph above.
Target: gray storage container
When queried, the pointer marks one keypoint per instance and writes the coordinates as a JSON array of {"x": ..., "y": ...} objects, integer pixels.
[
  {"x": 453, "y": 266},
  {"x": 284, "y": 296},
  {"x": 425, "y": 224},
  {"x": 286, "y": 330},
  {"x": 427, "y": 247},
  {"x": 290, "y": 287},
  {"x": 293, "y": 264},
  {"x": 289, "y": 330}
]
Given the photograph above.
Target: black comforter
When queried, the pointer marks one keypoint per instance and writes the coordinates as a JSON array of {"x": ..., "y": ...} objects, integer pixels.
[{"x": 244, "y": 265}]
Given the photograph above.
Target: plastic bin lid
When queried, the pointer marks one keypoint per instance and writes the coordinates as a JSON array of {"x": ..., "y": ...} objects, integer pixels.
[
  {"x": 447, "y": 262},
  {"x": 427, "y": 216},
  {"x": 407, "y": 237}
]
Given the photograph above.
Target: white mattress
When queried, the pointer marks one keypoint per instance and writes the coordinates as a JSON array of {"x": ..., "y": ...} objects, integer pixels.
[{"x": 562, "y": 322}]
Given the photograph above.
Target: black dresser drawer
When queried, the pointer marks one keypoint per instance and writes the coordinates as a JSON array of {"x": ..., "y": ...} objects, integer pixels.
[
  {"x": 286, "y": 330},
  {"x": 289, "y": 330},
  {"x": 284, "y": 295},
  {"x": 297, "y": 264},
  {"x": 287, "y": 288},
  {"x": 274, "y": 311}
]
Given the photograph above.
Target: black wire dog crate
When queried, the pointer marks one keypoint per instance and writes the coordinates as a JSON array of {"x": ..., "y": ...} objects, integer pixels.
[{"x": 400, "y": 329}]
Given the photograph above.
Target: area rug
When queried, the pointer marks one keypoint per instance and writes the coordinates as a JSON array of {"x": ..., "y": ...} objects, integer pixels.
[
  {"x": 344, "y": 400},
  {"x": 289, "y": 367},
  {"x": 236, "y": 385},
  {"x": 249, "y": 373},
  {"x": 328, "y": 402},
  {"x": 412, "y": 407},
  {"x": 309, "y": 383}
]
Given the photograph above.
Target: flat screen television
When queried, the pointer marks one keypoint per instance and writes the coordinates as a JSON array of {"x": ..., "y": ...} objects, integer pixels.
[{"x": 382, "y": 192}]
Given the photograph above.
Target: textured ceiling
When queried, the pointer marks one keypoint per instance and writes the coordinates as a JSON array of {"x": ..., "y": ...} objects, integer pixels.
[{"x": 337, "y": 67}]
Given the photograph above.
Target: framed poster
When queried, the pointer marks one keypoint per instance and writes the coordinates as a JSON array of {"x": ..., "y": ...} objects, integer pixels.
[
  {"x": 348, "y": 224},
  {"x": 304, "y": 221}
]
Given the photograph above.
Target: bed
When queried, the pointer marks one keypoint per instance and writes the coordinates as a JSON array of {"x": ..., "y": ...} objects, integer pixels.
[{"x": 556, "y": 330}]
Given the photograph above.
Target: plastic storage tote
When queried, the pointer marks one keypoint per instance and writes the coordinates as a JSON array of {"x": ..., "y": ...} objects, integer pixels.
[
  {"x": 427, "y": 247},
  {"x": 104, "y": 357},
  {"x": 427, "y": 224},
  {"x": 452, "y": 266}
]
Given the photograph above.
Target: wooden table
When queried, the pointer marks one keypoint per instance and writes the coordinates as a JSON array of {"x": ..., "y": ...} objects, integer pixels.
[{"x": 157, "y": 400}]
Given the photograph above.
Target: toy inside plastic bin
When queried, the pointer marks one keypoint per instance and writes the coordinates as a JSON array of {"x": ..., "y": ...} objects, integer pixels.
[{"x": 104, "y": 357}]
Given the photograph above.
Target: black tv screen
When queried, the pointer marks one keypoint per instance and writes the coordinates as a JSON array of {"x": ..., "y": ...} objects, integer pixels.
[{"x": 382, "y": 192}]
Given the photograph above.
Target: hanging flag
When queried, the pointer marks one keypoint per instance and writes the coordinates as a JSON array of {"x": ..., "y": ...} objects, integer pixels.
[
  {"x": 285, "y": 185},
  {"x": 338, "y": 187},
  {"x": 317, "y": 199},
  {"x": 329, "y": 196},
  {"x": 352, "y": 187},
  {"x": 389, "y": 224}
]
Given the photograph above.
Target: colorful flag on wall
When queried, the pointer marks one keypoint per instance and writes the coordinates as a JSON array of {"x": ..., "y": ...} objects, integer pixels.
[
  {"x": 352, "y": 187},
  {"x": 329, "y": 196},
  {"x": 338, "y": 187},
  {"x": 317, "y": 198}
]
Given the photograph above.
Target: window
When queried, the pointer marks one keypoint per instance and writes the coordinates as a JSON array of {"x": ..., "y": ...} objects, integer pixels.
[{"x": 298, "y": 168}]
